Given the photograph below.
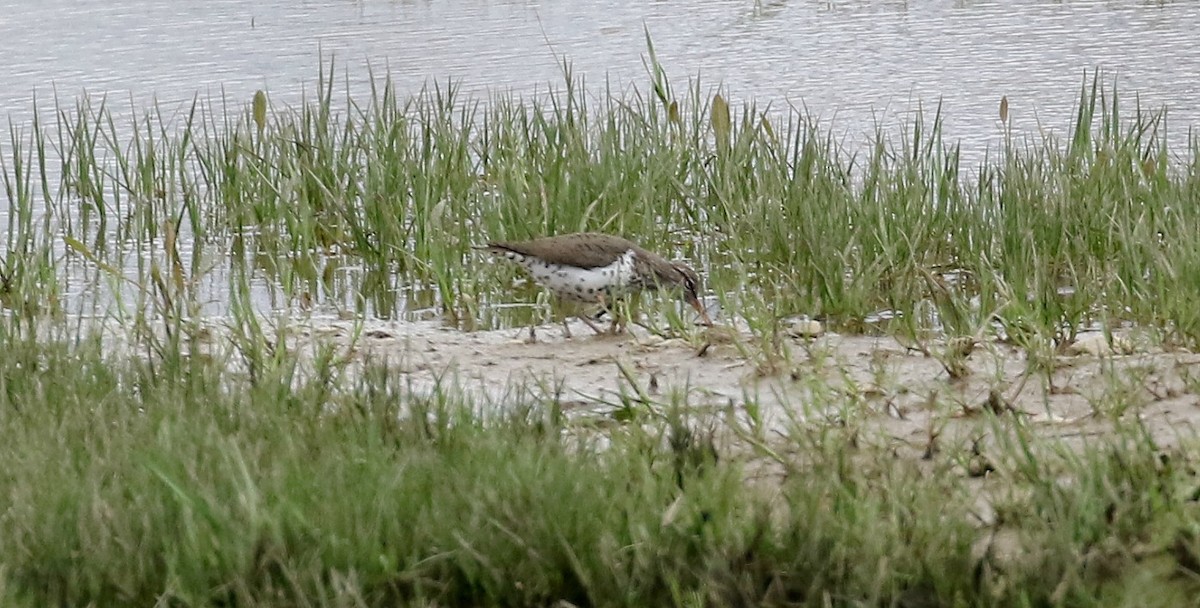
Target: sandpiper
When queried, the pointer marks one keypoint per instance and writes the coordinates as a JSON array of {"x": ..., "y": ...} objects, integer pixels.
[{"x": 598, "y": 268}]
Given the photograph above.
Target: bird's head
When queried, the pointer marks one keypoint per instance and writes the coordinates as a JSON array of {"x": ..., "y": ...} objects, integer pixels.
[{"x": 690, "y": 282}]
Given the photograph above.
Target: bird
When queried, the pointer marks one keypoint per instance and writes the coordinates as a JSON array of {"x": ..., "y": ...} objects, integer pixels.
[{"x": 598, "y": 268}]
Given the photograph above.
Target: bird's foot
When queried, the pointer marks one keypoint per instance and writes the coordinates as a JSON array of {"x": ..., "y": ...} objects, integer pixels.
[{"x": 617, "y": 327}]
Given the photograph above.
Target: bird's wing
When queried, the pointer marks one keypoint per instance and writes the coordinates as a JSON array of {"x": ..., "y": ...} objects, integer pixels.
[{"x": 584, "y": 250}]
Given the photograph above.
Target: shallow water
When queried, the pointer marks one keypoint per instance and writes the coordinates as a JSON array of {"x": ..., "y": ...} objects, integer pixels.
[{"x": 859, "y": 61}]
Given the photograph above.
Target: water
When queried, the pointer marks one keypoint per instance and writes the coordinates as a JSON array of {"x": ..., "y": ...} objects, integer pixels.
[
  {"x": 857, "y": 62},
  {"x": 854, "y": 63}
]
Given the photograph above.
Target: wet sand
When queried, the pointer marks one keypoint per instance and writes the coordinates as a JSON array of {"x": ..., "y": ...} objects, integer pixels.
[{"x": 904, "y": 394}]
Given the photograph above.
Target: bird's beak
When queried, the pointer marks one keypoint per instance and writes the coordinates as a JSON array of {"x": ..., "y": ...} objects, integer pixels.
[{"x": 694, "y": 300}]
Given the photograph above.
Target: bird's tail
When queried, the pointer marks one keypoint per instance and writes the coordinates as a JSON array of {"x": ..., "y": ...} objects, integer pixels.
[{"x": 497, "y": 248}]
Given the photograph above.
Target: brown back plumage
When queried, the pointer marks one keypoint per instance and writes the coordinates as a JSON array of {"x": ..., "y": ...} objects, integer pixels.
[{"x": 582, "y": 249}]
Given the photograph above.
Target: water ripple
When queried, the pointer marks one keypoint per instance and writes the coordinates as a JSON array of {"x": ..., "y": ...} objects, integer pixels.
[{"x": 861, "y": 60}]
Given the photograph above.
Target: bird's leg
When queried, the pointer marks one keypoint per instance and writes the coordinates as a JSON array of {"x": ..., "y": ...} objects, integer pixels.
[
  {"x": 566, "y": 328},
  {"x": 590, "y": 324},
  {"x": 604, "y": 302},
  {"x": 618, "y": 323}
]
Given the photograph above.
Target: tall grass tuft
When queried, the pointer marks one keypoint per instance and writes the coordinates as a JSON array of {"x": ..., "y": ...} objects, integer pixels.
[{"x": 383, "y": 197}]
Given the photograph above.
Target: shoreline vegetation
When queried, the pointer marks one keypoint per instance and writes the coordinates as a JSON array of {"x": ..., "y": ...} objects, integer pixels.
[{"x": 198, "y": 465}]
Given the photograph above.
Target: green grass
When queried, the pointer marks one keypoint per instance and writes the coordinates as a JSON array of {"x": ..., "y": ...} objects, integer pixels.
[
  {"x": 136, "y": 482},
  {"x": 179, "y": 472}
]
